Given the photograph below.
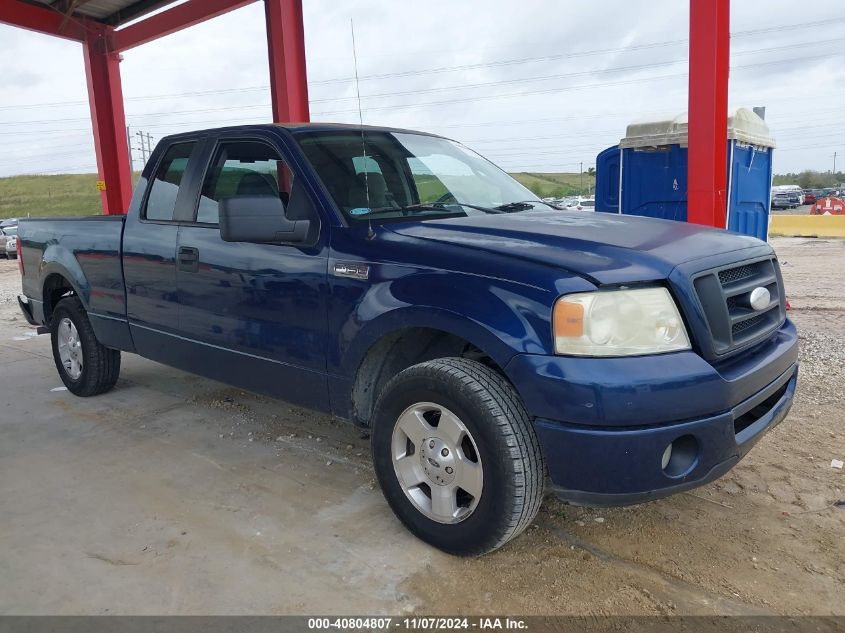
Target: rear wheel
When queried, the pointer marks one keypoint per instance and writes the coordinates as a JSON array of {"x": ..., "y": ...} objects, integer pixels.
[
  {"x": 86, "y": 367},
  {"x": 456, "y": 455}
]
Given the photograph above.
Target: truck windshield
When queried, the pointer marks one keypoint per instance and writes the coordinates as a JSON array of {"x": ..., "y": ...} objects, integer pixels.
[{"x": 407, "y": 176}]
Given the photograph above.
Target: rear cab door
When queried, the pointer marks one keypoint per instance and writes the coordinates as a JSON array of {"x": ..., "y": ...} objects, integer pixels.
[{"x": 149, "y": 245}]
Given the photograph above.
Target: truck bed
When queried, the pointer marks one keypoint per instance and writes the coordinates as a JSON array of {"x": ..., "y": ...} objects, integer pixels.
[{"x": 84, "y": 250}]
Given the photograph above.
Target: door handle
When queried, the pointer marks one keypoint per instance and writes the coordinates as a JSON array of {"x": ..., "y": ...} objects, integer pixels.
[{"x": 188, "y": 259}]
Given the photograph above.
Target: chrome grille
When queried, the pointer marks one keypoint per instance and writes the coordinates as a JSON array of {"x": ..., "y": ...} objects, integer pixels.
[{"x": 725, "y": 294}]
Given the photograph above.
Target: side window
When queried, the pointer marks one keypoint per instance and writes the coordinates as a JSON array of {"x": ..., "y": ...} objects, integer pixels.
[
  {"x": 161, "y": 201},
  {"x": 243, "y": 168}
]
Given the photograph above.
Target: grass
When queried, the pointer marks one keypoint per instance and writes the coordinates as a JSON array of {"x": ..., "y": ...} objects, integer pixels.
[
  {"x": 46, "y": 196},
  {"x": 76, "y": 194},
  {"x": 556, "y": 185},
  {"x": 38, "y": 196}
]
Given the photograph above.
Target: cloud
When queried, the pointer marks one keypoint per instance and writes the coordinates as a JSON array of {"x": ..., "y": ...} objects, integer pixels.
[{"x": 535, "y": 86}]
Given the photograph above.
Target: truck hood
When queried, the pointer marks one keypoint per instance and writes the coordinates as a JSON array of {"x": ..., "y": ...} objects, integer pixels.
[{"x": 606, "y": 248}]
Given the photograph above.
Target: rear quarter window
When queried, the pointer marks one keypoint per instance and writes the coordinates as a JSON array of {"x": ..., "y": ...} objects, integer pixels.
[{"x": 164, "y": 189}]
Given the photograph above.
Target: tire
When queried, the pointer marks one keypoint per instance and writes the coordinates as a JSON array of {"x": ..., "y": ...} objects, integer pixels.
[
  {"x": 497, "y": 441},
  {"x": 86, "y": 367}
]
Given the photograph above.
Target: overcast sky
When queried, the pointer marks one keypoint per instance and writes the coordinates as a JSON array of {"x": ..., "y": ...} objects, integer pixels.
[{"x": 534, "y": 86}]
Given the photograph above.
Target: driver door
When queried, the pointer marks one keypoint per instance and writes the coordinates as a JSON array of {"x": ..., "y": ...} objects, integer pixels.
[{"x": 256, "y": 311}]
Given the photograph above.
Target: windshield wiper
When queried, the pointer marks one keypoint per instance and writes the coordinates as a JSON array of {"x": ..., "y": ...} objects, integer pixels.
[
  {"x": 434, "y": 206},
  {"x": 523, "y": 205},
  {"x": 400, "y": 210},
  {"x": 444, "y": 206}
]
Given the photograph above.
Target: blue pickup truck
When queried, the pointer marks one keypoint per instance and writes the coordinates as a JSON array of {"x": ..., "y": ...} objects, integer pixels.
[{"x": 493, "y": 344}]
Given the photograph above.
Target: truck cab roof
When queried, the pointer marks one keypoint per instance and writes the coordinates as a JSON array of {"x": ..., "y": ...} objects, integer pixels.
[{"x": 294, "y": 128}]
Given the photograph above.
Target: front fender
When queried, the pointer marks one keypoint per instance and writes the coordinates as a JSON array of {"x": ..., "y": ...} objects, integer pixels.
[{"x": 500, "y": 318}]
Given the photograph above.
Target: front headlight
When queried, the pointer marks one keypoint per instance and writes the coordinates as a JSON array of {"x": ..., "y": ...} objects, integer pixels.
[{"x": 626, "y": 322}]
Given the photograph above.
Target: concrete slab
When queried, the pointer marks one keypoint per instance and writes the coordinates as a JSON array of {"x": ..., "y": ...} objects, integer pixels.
[{"x": 158, "y": 503}]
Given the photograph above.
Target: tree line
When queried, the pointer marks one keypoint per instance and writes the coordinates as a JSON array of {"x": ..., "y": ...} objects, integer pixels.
[{"x": 810, "y": 179}]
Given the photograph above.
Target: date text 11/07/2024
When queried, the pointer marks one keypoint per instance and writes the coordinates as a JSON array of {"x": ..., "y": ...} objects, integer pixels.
[{"x": 417, "y": 623}]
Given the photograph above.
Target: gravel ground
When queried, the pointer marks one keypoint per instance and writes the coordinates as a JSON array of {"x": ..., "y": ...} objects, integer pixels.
[
  {"x": 765, "y": 539},
  {"x": 9, "y": 285},
  {"x": 804, "y": 209}
]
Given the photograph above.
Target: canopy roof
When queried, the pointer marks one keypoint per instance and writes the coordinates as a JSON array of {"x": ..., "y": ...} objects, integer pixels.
[{"x": 111, "y": 12}]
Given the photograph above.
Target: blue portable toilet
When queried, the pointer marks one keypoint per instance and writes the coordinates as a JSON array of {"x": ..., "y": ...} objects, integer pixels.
[{"x": 646, "y": 174}]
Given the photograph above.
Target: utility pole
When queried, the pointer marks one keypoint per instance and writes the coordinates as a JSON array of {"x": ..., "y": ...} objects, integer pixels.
[
  {"x": 149, "y": 144},
  {"x": 142, "y": 147},
  {"x": 581, "y": 185},
  {"x": 145, "y": 148},
  {"x": 129, "y": 147},
  {"x": 834, "y": 164}
]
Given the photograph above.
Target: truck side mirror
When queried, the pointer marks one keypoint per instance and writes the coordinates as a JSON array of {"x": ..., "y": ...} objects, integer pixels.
[{"x": 259, "y": 219}]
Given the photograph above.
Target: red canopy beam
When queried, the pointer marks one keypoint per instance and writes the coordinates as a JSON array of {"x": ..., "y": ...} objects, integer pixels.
[
  {"x": 709, "y": 53},
  {"x": 105, "y": 98},
  {"x": 41, "y": 20},
  {"x": 172, "y": 20},
  {"x": 286, "y": 53}
]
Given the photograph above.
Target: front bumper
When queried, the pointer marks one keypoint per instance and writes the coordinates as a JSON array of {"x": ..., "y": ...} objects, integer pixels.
[{"x": 604, "y": 424}]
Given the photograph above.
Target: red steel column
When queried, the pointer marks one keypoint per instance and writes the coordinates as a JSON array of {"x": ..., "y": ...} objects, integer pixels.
[
  {"x": 286, "y": 50},
  {"x": 709, "y": 53},
  {"x": 105, "y": 97}
]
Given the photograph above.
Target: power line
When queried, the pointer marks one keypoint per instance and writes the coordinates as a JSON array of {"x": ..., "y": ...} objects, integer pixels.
[
  {"x": 562, "y": 89},
  {"x": 545, "y": 58},
  {"x": 780, "y": 131},
  {"x": 58, "y": 170},
  {"x": 583, "y": 73},
  {"x": 463, "y": 87},
  {"x": 506, "y": 62}
]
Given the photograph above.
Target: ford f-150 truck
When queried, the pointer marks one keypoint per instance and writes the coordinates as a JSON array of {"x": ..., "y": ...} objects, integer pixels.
[{"x": 488, "y": 340}]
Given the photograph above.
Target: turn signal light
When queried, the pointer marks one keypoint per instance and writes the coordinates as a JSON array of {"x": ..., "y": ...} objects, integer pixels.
[{"x": 569, "y": 319}]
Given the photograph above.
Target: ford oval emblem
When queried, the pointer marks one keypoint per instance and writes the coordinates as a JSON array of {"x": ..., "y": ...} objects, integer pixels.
[{"x": 760, "y": 298}]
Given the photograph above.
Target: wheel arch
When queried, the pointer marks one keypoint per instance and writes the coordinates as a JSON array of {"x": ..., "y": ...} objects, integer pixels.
[
  {"x": 55, "y": 287},
  {"x": 61, "y": 270},
  {"x": 415, "y": 340}
]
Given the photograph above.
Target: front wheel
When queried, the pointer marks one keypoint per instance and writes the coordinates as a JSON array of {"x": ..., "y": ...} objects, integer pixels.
[
  {"x": 86, "y": 367},
  {"x": 456, "y": 456}
]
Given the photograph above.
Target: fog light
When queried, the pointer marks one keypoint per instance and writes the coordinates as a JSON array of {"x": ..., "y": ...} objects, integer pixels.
[
  {"x": 667, "y": 455},
  {"x": 680, "y": 457}
]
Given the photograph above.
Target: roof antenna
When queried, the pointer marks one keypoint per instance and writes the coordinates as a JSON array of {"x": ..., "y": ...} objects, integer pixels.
[{"x": 370, "y": 233}]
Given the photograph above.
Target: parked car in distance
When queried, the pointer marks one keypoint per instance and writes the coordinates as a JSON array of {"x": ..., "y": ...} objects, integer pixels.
[
  {"x": 582, "y": 204},
  {"x": 7, "y": 236},
  {"x": 781, "y": 200},
  {"x": 8, "y": 222},
  {"x": 810, "y": 196},
  {"x": 398, "y": 280},
  {"x": 9, "y": 242},
  {"x": 794, "y": 193},
  {"x": 788, "y": 196}
]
